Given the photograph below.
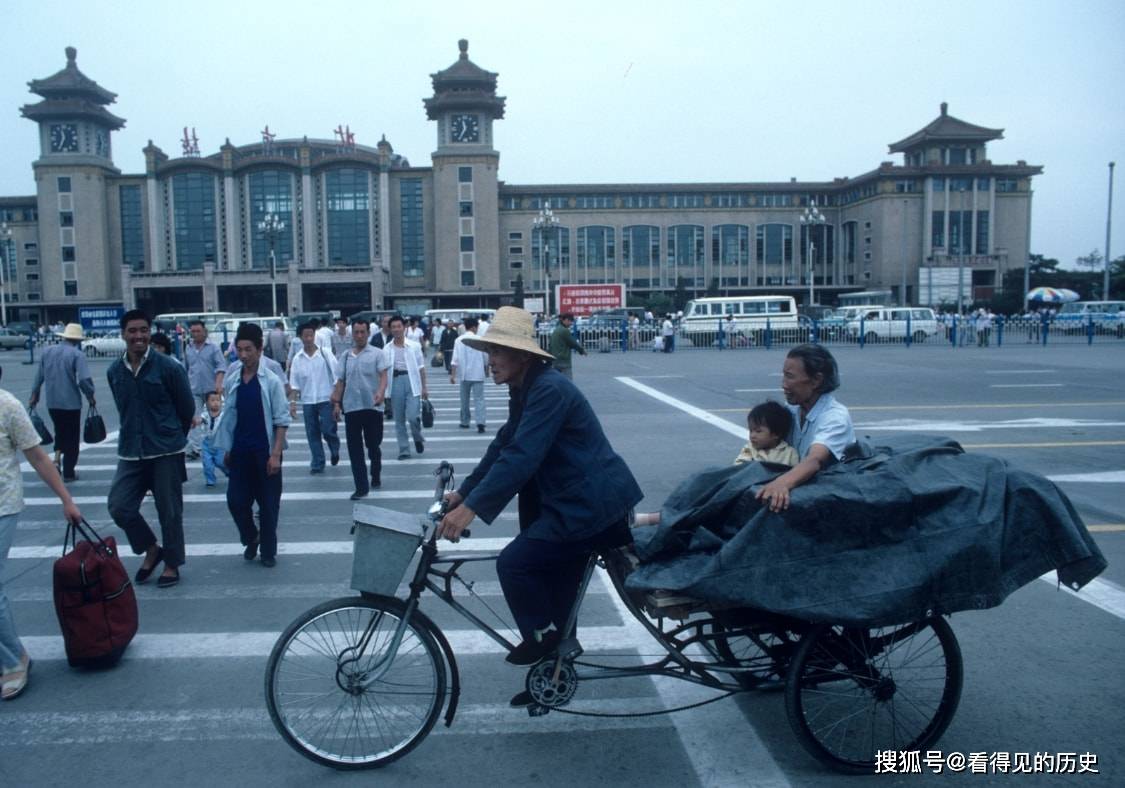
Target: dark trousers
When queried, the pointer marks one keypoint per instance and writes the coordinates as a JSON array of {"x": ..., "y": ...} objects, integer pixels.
[
  {"x": 669, "y": 343},
  {"x": 540, "y": 579},
  {"x": 164, "y": 476},
  {"x": 249, "y": 483},
  {"x": 67, "y": 434},
  {"x": 319, "y": 424},
  {"x": 364, "y": 427}
]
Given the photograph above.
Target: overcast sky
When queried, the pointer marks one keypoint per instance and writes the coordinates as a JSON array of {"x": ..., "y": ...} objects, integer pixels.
[{"x": 613, "y": 91}]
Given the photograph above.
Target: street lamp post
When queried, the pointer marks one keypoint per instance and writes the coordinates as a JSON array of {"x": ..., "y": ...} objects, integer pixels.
[
  {"x": 960, "y": 251},
  {"x": 1108, "y": 225},
  {"x": 5, "y": 236},
  {"x": 271, "y": 227},
  {"x": 810, "y": 218},
  {"x": 546, "y": 222}
]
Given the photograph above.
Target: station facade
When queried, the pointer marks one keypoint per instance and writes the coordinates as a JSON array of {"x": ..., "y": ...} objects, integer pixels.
[{"x": 361, "y": 228}]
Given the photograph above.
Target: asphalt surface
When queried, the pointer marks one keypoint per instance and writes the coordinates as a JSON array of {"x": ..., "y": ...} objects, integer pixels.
[{"x": 185, "y": 707}]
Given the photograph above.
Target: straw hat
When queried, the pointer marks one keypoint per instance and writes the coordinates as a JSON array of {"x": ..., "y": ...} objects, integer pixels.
[
  {"x": 511, "y": 327},
  {"x": 72, "y": 331}
]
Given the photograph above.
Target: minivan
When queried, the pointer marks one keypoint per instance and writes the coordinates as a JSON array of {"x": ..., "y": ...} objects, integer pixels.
[{"x": 882, "y": 323}]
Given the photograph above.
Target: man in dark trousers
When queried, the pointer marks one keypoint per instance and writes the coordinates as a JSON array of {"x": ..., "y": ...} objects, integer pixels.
[
  {"x": 156, "y": 409},
  {"x": 64, "y": 369},
  {"x": 575, "y": 491},
  {"x": 562, "y": 342},
  {"x": 251, "y": 431},
  {"x": 359, "y": 394}
]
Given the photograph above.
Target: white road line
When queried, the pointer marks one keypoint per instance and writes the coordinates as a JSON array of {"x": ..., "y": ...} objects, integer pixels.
[
  {"x": 1028, "y": 425},
  {"x": 1021, "y": 372},
  {"x": 1026, "y": 385},
  {"x": 388, "y": 465},
  {"x": 340, "y": 547},
  {"x": 691, "y": 410},
  {"x": 1099, "y": 477},
  {"x": 318, "y": 495},
  {"x": 775, "y": 389},
  {"x": 1104, "y": 594}
]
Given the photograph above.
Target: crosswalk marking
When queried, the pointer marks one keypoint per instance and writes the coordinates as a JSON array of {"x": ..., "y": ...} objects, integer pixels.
[{"x": 341, "y": 547}]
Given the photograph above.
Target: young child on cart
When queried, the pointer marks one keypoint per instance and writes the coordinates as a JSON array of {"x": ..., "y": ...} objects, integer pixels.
[{"x": 769, "y": 423}]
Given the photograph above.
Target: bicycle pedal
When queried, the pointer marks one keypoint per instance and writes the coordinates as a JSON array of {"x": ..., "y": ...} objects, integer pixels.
[
  {"x": 535, "y": 710},
  {"x": 570, "y": 649}
]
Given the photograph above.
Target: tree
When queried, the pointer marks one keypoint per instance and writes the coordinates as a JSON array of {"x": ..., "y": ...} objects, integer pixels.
[
  {"x": 659, "y": 304},
  {"x": 680, "y": 297},
  {"x": 713, "y": 288},
  {"x": 519, "y": 294},
  {"x": 1091, "y": 261}
]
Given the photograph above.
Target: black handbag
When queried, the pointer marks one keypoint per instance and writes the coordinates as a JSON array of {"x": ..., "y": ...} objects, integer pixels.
[
  {"x": 427, "y": 414},
  {"x": 45, "y": 436},
  {"x": 93, "y": 431}
]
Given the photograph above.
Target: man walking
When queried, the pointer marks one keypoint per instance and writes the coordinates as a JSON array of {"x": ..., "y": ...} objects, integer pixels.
[
  {"x": 252, "y": 432},
  {"x": 408, "y": 386},
  {"x": 448, "y": 339},
  {"x": 562, "y": 342},
  {"x": 359, "y": 393},
  {"x": 668, "y": 332},
  {"x": 154, "y": 402},
  {"x": 277, "y": 347},
  {"x": 64, "y": 369},
  {"x": 341, "y": 337},
  {"x": 312, "y": 376},
  {"x": 205, "y": 367},
  {"x": 469, "y": 368}
]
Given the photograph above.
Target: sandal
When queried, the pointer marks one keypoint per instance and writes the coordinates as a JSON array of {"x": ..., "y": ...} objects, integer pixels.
[{"x": 14, "y": 683}]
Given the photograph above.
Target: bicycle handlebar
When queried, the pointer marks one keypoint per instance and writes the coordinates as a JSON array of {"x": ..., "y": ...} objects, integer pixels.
[{"x": 444, "y": 474}]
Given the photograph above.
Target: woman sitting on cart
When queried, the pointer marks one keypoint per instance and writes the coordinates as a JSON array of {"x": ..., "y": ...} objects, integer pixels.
[
  {"x": 822, "y": 427},
  {"x": 575, "y": 492}
]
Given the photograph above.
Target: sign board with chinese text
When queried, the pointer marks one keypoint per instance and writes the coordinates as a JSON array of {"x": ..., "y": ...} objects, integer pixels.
[
  {"x": 100, "y": 318},
  {"x": 587, "y": 299},
  {"x": 533, "y": 304}
]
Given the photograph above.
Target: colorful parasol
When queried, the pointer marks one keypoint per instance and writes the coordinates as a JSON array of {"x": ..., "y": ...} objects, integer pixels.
[{"x": 1051, "y": 295}]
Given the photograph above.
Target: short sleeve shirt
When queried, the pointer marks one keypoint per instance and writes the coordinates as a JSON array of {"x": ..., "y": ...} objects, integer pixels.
[
  {"x": 17, "y": 435},
  {"x": 828, "y": 423},
  {"x": 360, "y": 373}
]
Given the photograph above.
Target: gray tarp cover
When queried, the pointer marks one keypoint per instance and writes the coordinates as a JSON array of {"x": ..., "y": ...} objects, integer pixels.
[{"x": 910, "y": 526}]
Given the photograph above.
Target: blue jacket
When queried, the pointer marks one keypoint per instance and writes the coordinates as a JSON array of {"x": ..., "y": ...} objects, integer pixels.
[
  {"x": 155, "y": 406},
  {"x": 275, "y": 406},
  {"x": 553, "y": 452}
]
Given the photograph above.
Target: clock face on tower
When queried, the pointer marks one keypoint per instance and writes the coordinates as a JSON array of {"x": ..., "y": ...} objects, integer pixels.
[
  {"x": 64, "y": 138},
  {"x": 464, "y": 128}
]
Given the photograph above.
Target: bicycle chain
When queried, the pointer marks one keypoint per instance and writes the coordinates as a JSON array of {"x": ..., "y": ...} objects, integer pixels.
[{"x": 641, "y": 713}]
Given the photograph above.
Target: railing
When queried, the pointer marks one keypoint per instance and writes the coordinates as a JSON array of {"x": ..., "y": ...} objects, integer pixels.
[{"x": 948, "y": 332}]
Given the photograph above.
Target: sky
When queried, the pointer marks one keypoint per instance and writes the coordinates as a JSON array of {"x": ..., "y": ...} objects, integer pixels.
[{"x": 613, "y": 92}]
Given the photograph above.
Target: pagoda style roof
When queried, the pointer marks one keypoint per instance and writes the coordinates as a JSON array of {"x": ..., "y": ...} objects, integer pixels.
[
  {"x": 71, "y": 82},
  {"x": 50, "y": 109},
  {"x": 946, "y": 128},
  {"x": 464, "y": 85}
]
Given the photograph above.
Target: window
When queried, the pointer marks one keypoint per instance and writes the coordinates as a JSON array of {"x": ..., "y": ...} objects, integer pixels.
[
  {"x": 193, "y": 217},
  {"x": 467, "y": 243},
  {"x": 823, "y": 237},
  {"x": 271, "y": 192},
  {"x": 730, "y": 200},
  {"x": 685, "y": 254},
  {"x": 958, "y": 156},
  {"x": 774, "y": 252},
  {"x": 938, "y": 184},
  {"x": 70, "y": 288},
  {"x": 411, "y": 230},
  {"x": 30, "y": 247},
  {"x": 1007, "y": 185},
  {"x": 32, "y": 277},
  {"x": 594, "y": 201},
  {"x": 516, "y": 263},
  {"x": 464, "y": 174},
  {"x": 867, "y": 240},
  {"x": 909, "y": 185},
  {"x": 68, "y": 254},
  {"x": 515, "y": 236},
  {"x": 556, "y": 256},
  {"x": 982, "y": 232},
  {"x": 597, "y": 255},
  {"x": 29, "y": 261},
  {"x": 730, "y": 254},
  {"x": 66, "y": 219},
  {"x": 685, "y": 201},
  {"x": 983, "y": 184},
  {"x": 937, "y": 232},
  {"x": 640, "y": 255},
  {"x": 348, "y": 220},
  {"x": 132, "y": 228},
  {"x": 960, "y": 229},
  {"x": 466, "y": 227},
  {"x": 640, "y": 201},
  {"x": 960, "y": 184},
  {"x": 510, "y": 204},
  {"x": 466, "y": 208},
  {"x": 515, "y": 250},
  {"x": 64, "y": 184},
  {"x": 468, "y": 278}
]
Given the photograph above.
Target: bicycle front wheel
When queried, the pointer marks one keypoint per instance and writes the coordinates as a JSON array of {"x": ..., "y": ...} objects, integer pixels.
[
  {"x": 854, "y": 692},
  {"x": 336, "y": 701}
]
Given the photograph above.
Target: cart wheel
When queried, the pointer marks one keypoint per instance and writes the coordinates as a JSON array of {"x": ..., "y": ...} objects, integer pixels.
[
  {"x": 317, "y": 688},
  {"x": 854, "y": 692},
  {"x": 764, "y": 652}
]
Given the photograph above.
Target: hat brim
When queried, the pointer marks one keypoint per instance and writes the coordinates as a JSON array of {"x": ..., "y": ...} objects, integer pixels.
[{"x": 525, "y": 345}]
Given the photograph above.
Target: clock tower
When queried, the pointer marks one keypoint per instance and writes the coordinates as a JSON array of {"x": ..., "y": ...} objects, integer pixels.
[
  {"x": 75, "y": 161},
  {"x": 466, "y": 210}
]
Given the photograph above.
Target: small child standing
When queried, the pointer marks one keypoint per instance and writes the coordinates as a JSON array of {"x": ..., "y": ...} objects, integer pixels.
[
  {"x": 209, "y": 423},
  {"x": 769, "y": 423}
]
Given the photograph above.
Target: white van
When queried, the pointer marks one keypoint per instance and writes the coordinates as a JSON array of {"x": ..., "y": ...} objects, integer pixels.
[
  {"x": 882, "y": 323},
  {"x": 459, "y": 314},
  {"x": 167, "y": 322},
  {"x": 1078, "y": 314},
  {"x": 225, "y": 330},
  {"x": 750, "y": 313}
]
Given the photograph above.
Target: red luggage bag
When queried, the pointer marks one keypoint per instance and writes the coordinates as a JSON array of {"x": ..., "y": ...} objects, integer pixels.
[{"x": 94, "y": 599}]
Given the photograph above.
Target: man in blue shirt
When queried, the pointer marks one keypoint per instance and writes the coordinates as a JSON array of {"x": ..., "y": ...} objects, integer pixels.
[
  {"x": 64, "y": 369},
  {"x": 252, "y": 431}
]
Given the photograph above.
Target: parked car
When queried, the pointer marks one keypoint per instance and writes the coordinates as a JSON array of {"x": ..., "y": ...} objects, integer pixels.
[
  {"x": 883, "y": 323},
  {"x": 24, "y": 327},
  {"x": 109, "y": 344},
  {"x": 12, "y": 340}
]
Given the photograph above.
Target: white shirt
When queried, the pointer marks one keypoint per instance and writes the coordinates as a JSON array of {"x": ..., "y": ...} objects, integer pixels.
[
  {"x": 415, "y": 363},
  {"x": 414, "y": 334},
  {"x": 314, "y": 376},
  {"x": 827, "y": 423},
  {"x": 324, "y": 339},
  {"x": 482, "y": 327},
  {"x": 667, "y": 329},
  {"x": 468, "y": 364}
]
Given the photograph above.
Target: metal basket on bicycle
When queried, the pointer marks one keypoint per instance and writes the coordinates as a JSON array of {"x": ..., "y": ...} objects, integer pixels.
[{"x": 384, "y": 544}]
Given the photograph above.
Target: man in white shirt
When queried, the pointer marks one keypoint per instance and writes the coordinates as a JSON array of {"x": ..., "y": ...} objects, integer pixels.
[
  {"x": 324, "y": 336},
  {"x": 469, "y": 368},
  {"x": 408, "y": 386},
  {"x": 668, "y": 331},
  {"x": 312, "y": 377},
  {"x": 482, "y": 326}
]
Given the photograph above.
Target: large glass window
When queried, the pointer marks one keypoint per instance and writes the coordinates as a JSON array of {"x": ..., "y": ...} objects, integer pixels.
[
  {"x": 348, "y": 216},
  {"x": 132, "y": 228},
  {"x": 271, "y": 191},
  {"x": 640, "y": 255},
  {"x": 960, "y": 232},
  {"x": 557, "y": 256},
  {"x": 982, "y": 232},
  {"x": 685, "y": 254},
  {"x": 823, "y": 241},
  {"x": 937, "y": 231},
  {"x": 730, "y": 254},
  {"x": 193, "y": 195},
  {"x": 597, "y": 255},
  {"x": 411, "y": 230},
  {"x": 775, "y": 254}
]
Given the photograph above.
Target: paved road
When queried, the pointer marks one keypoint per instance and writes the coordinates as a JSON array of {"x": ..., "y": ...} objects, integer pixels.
[{"x": 1042, "y": 672}]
